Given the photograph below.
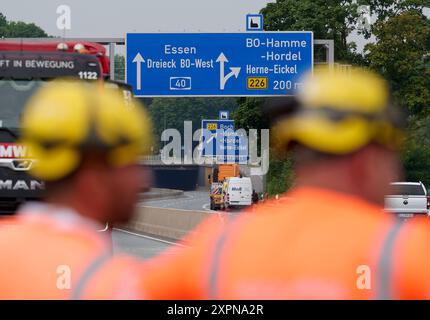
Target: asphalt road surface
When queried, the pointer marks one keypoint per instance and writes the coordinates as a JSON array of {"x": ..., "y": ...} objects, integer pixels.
[
  {"x": 190, "y": 200},
  {"x": 140, "y": 246},
  {"x": 145, "y": 246}
]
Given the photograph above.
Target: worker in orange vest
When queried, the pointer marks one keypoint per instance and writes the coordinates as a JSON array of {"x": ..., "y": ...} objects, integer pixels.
[
  {"x": 327, "y": 238},
  {"x": 86, "y": 143}
]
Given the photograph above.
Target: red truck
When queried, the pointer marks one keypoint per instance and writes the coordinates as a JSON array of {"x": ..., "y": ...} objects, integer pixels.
[
  {"x": 90, "y": 48},
  {"x": 24, "y": 67}
]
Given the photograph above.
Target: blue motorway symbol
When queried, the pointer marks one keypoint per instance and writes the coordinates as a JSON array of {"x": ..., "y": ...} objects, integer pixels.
[{"x": 218, "y": 64}]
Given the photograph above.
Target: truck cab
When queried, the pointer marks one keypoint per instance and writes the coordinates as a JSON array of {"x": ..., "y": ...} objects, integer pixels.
[
  {"x": 216, "y": 179},
  {"x": 216, "y": 198},
  {"x": 21, "y": 74}
]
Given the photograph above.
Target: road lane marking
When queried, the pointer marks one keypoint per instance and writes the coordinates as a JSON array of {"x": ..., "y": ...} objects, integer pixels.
[{"x": 148, "y": 237}]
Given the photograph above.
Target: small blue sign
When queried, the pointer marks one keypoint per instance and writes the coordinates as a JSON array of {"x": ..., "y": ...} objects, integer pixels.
[
  {"x": 220, "y": 141},
  {"x": 218, "y": 64},
  {"x": 224, "y": 115},
  {"x": 254, "y": 22}
]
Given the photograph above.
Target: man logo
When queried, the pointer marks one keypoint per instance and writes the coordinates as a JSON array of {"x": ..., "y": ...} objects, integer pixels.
[
  {"x": 21, "y": 185},
  {"x": 22, "y": 165}
]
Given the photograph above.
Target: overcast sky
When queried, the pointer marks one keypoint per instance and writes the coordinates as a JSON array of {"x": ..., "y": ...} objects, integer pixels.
[{"x": 105, "y": 18}]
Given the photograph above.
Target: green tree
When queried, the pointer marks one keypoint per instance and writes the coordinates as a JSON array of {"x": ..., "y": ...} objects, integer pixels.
[
  {"x": 119, "y": 67},
  {"x": 328, "y": 19},
  {"x": 416, "y": 156},
  {"x": 249, "y": 114},
  {"x": 401, "y": 55},
  {"x": 12, "y": 29},
  {"x": 280, "y": 176},
  {"x": 384, "y": 9},
  {"x": 169, "y": 113},
  {"x": 24, "y": 30},
  {"x": 3, "y": 24}
]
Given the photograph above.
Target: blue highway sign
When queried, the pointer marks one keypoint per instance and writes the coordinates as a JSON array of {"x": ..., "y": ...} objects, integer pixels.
[
  {"x": 218, "y": 64},
  {"x": 221, "y": 142}
]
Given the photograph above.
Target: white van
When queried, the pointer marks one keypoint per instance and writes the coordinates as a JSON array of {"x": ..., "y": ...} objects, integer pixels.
[{"x": 237, "y": 192}]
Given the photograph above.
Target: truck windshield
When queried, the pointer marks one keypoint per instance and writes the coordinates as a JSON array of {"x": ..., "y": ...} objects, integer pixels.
[
  {"x": 14, "y": 96},
  {"x": 407, "y": 189}
]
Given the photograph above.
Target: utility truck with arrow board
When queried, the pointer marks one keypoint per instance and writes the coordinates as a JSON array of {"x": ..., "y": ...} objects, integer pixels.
[{"x": 216, "y": 179}]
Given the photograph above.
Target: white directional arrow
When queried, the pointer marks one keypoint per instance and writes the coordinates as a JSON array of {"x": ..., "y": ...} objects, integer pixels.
[
  {"x": 138, "y": 59},
  {"x": 210, "y": 139},
  {"x": 234, "y": 71},
  {"x": 222, "y": 59}
]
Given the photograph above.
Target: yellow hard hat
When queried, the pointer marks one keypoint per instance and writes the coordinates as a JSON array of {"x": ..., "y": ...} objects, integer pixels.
[
  {"x": 66, "y": 118},
  {"x": 339, "y": 112}
]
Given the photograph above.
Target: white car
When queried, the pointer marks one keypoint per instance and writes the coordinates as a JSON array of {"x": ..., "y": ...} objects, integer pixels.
[
  {"x": 407, "y": 199},
  {"x": 237, "y": 192}
]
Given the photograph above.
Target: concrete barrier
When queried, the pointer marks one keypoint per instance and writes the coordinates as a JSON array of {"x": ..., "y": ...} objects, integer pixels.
[
  {"x": 160, "y": 193},
  {"x": 167, "y": 223}
]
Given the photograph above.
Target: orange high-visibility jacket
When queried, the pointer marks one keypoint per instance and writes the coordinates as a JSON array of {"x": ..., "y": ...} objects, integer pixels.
[
  {"x": 51, "y": 255},
  {"x": 311, "y": 244}
]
